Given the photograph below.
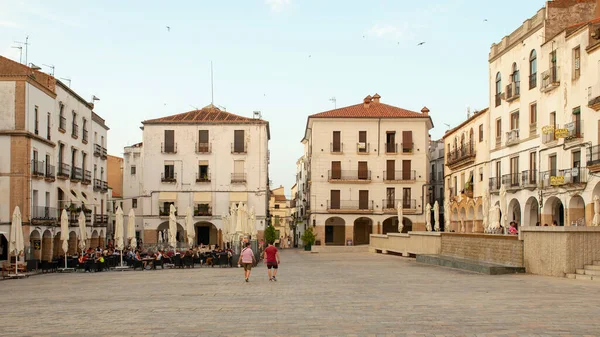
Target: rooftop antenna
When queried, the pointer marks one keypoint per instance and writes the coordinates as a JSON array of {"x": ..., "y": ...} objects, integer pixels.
[
  {"x": 212, "y": 90},
  {"x": 257, "y": 115},
  {"x": 468, "y": 112},
  {"x": 94, "y": 99},
  {"x": 26, "y": 44},
  {"x": 34, "y": 67},
  {"x": 66, "y": 79},
  {"x": 51, "y": 67},
  {"x": 20, "y": 53},
  {"x": 332, "y": 99}
]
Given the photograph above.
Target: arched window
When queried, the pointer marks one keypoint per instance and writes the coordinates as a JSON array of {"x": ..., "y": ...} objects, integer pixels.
[
  {"x": 498, "y": 88},
  {"x": 532, "y": 69}
]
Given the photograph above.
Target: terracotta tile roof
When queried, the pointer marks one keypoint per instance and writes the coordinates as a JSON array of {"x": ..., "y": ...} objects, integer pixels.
[
  {"x": 279, "y": 197},
  {"x": 208, "y": 114},
  {"x": 476, "y": 114},
  {"x": 374, "y": 110}
]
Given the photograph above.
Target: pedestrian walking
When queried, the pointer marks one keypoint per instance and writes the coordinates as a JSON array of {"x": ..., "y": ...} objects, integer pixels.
[
  {"x": 272, "y": 260},
  {"x": 247, "y": 259}
]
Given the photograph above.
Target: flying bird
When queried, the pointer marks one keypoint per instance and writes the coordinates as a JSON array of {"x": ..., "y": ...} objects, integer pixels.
[
  {"x": 421, "y": 43},
  {"x": 484, "y": 20},
  {"x": 168, "y": 29}
]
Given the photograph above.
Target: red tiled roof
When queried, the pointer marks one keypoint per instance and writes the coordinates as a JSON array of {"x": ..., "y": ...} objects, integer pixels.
[
  {"x": 375, "y": 110},
  {"x": 208, "y": 114}
]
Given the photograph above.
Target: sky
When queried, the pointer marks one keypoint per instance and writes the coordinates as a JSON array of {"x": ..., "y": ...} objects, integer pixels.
[{"x": 285, "y": 58}]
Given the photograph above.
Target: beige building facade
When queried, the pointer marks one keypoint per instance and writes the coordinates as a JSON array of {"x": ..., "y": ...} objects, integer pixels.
[
  {"x": 364, "y": 161},
  {"x": 280, "y": 211}
]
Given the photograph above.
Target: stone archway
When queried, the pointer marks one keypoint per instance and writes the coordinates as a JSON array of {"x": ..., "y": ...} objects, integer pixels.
[
  {"x": 94, "y": 239},
  {"x": 553, "y": 211},
  {"x": 47, "y": 246},
  {"x": 363, "y": 227},
  {"x": 72, "y": 243},
  {"x": 390, "y": 225},
  {"x": 164, "y": 228},
  {"x": 35, "y": 240},
  {"x": 531, "y": 212},
  {"x": 576, "y": 211},
  {"x": 335, "y": 231},
  {"x": 478, "y": 219},
  {"x": 206, "y": 233},
  {"x": 462, "y": 221},
  {"x": 101, "y": 241},
  {"x": 471, "y": 223},
  {"x": 454, "y": 221},
  {"x": 57, "y": 246},
  {"x": 514, "y": 212}
]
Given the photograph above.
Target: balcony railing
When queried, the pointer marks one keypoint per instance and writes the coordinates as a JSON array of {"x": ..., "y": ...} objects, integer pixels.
[
  {"x": 76, "y": 174},
  {"x": 74, "y": 130},
  {"x": 575, "y": 129},
  {"x": 50, "y": 172},
  {"x": 100, "y": 219},
  {"x": 550, "y": 78},
  {"x": 498, "y": 99},
  {"x": 593, "y": 155},
  {"x": 594, "y": 97},
  {"x": 97, "y": 185},
  {"x": 349, "y": 175},
  {"x": 165, "y": 211},
  {"x": 494, "y": 184},
  {"x": 37, "y": 168},
  {"x": 574, "y": 175},
  {"x": 407, "y": 147},
  {"x": 336, "y": 147},
  {"x": 513, "y": 91},
  {"x": 238, "y": 178},
  {"x": 392, "y": 204},
  {"x": 511, "y": 180},
  {"x": 548, "y": 134},
  {"x": 99, "y": 151},
  {"x": 399, "y": 175},
  {"x": 464, "y": 153},
  {"x": 87, "y": 177},
  {"x": 532, "y": 81},
  {"x": 203, "y": 147},
  {"x": 84, "y": 138},
  {"x": 203, "y": 178},
  {"x": 168, "y": 177},
  {"x": 350, "y": 205},
  {"x": 104, "y": 187},
  {"x": 168, "y": 149},
  {"x": 239, "y": 148},
  {"x": 44, "y": 213},
  {"x": 363, "y": 147},
  {"x": 203, "y": 210},
  {"x": 64, "y": 170},
  {"x": 529, "y": 178},
  {"x": 512, "y": 137},
  {"x": 391, "y": 148}
]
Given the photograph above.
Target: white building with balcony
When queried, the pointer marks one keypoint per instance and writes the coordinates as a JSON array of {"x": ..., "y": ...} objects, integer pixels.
[
  {"x": 204, "y": 159},
  {"x": 543, "y": 84},
  {"x": 301, "y": 195},
  {"x": 54, "y": 157},
  {"x": 364, "y": 160}
]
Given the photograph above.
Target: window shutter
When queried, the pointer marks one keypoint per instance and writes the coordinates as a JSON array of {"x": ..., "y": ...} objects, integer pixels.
[
  {"x": 169, "y": 140},
  {"x": 363, "y": 199},
  {"x": 238, "y": 141},
  {"x": 406, "y": 170},
  {"x": 363, "y": 170},
  {"x": 335, "y": 199},
  {"x": 407, "y": 139},
  {"x": 203, "y": 136}
]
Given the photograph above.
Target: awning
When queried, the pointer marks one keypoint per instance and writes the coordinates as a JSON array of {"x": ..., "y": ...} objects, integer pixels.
[
  {"x": 238, "y": 196},
  {"x": 202, "y": 197},
  {"x": 167, "y": 196}
]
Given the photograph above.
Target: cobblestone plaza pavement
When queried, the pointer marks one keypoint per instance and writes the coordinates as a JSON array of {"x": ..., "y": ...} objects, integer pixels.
[{"x": 317, "y": 294}]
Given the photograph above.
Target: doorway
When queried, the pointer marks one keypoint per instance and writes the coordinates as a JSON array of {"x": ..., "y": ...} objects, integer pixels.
[{"x": 203, "y": 235}]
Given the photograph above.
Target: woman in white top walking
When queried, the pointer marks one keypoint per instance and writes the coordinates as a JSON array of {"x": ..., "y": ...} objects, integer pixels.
[{"x": 247, "y": 260}]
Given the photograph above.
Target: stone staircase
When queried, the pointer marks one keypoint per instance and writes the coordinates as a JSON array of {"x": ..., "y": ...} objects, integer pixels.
[{"x": 589, "y": 272}]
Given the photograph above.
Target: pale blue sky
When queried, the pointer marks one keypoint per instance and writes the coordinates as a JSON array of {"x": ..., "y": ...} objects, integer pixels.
[{"x": 285, "y": 58}]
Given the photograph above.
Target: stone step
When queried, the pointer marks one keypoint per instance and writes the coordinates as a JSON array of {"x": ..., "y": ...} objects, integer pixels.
[
  {"x": 591, "y": 267},
  {"x": 579, "y": 271},
  {"x": 596, "y": 263},
  {"x": 467, "y": 264},
  {"x": 584, "y": 277},
  {"x": 571, "y": 276},
  {"x": 592, "y": 272}
]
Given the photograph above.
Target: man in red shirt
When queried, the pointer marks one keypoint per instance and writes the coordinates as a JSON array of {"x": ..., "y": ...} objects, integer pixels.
[{"x": 272, "y": 260}]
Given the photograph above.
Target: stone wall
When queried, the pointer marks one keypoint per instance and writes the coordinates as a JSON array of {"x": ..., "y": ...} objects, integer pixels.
[
  {"x": 556, "y": 251},
  {"x": 406, "y": 243},
  {"x": 499, "y": 249}
]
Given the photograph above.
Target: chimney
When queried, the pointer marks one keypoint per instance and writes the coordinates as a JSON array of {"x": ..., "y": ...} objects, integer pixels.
[
  {"x": 377, "y": 97},
  {"x": 425, "y": 111},
  {"x": 367, "y": 101}
]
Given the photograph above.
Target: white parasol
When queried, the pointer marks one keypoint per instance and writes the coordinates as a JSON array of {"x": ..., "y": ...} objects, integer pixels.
[
  {"x": 485, "y": 205},
  {"x": 225, "y": 219},
  {"x": 189, "y": 227},
  {"x": 252, "y": 218},
  {"x": 503, "y": 209},
  {"x": 447, "y": 215},
  {"x": 160, "y": 237},
  {"x": 495, "y": 219},
  {"x": 64, "y": 233},
  {"x": 131, "y": 229},
  {"x": 82, "y": 232},
  {"x": 400, "y": 218},
  {"x": 119, "y": 245},
  {"x": 428, "y": 217},
  {"x": 172, "y": 227},
  {"x": 239, "y": 228},
  {"x": 436, "y": 216},
  {"x": 16, "y": 242},
  {"x": 596, "y": 219}
]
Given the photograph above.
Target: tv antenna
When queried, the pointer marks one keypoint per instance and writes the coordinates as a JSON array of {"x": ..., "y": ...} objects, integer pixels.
[
  {"x": 332, "y": 99},
  {"x": 212, "y": 90},
  {"x": 66, "y": 79},
  {"x": 26, "y": 44},
  {"x": 51, "y": 68},
  {"x": 20, "y": 53}
]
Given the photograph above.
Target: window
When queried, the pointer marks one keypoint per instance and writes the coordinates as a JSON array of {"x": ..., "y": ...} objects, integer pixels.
[
  {"x": 334, "y": 202},
  {"x": 533, "y": 114},
  {"x": 75, "y": 130},
  {"x": 406, "y": 197},
  {"x": 336, "y": 170},
  {"x": 84, "y": 126},
  {"x": 498, "y": 129},
  {"x": 576, "y": 62},
  {"x": 336, "y": 145},
  {"x": 362, "y": 141},
  {"x": 498, "y": 171},
  {"x": 498, "y": 89},
  {"x": 516, "y": 80},
  {"x": 48, "y": 122},
  {"x": 552, "y": 164},
  {"x": 514, "y": 120},
  {"x": 480, "y": 133},
  {"x": 37, "y": 122},
  {"x": 134, "y": 203},
  {"x": 532, "y": 69},
  {"x": 169, "y": 142},
  {"x": 407, "y": 142},
  {"x": 276, "y": 206},
  {"x": 132, "y": 170},
  {"x": 481, "y": 174},
  {"x": 169, "y": 171},
  {"x": 363, "y": 170},
  {"x": 62, "y": 121},
  {"x": 239, "y": 145},
  {"x": 363, "y": 199},
  {"x": 203, "y": 174},
  {"x": 390, "y": 142},
  {"x": 203, "y": 144}
]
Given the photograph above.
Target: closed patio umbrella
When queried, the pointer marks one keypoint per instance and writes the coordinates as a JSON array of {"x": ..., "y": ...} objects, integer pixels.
[
  {"x": 447, "y": 215},
  {"x": 131, "y": 229},
  {"x": 64, "y": 233},
  {"x": 16, "y": 244},
  {"x": 400, "y": 217},
  {"x": 503, "y": 209},
  {"x": 252, "y": 219},
  {"x": 239, "y": 226},
  {"x": 428, "y": 217},
  {"x": 172, "y": 228},
  {"x": 485, "y": 205},
  {"x": 82, "y": 232},
  {"x": 596, "y": 219},
  {"x": 436, "y": 216},
  {"x": 189, "y": 226},
  {"x": 119, "y": 236},
  {"x": 225, "y": 219}
]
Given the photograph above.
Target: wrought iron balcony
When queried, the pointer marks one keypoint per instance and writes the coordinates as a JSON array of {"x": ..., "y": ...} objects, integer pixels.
[
  {"x": 407, "y": 147},
  {"x": 203, "y": 210},
  {"x": 532, "y": 81},
  {"x": 87, "y": 177},
  {"x": 203, "y": 178},
  {"x": 399, "y": 175},
  {"x": 529, "y": 178},
  {"x": 548, "y": 134},
  {"x": 168, "y": 177},
  {"x": 104, "y": 187},
  {"x": 100, "y": 219},
  {"x": 513, "y": 91},
  {"x": 363, "y": 148},
  {"x": 349, "y": 175},
  {"x": 392, "y": 204},
  {"x": 37, "y": 168},
  {"x": 97, "y": 185},
  {"x": 165, "y": 210},
  {"x": 391, "y": 147},
  {"x": 238, "y": 178},
  {"x": 494, "y": 184},
  {"x": 64, "y": 171},
  {"x": 498, "y": 99},
  {"x": 594, "y": 97},
  {"x": 336, "y": 147},
  {"x": 44, "y": 213},
  {"x": 99, "y": 151},
  {"x": 76, "y": 174},
  {"x": 512, "y": 137},
  {"x": 550, "y": 79},
  {"x": 239, "y": 148},
  {"x": 203, "y": 147},
  {"x": 575, "y": 130},
  {"x": 464, "y": 154},
  {"x": 166, "y": 148},
  {"x": 50, "y": 172},
  {"x": 350, "y": 206},
  {"x": 593, "y": 156},
  {"x": 511, "y": 180}
]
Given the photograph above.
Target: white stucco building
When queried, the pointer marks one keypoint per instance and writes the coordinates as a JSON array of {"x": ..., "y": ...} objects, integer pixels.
[
  {"x": 206, "y": 159},
  {"x": 53, "y": 157},
  {"x": 301, "y": 197},
  {"x": 544, "y": 78},
  {"x": 365, "y": 160}
]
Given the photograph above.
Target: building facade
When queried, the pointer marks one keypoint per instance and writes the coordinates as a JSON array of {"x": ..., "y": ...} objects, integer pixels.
[
  {"x": 364, "y": 161},
  {"x": 301, "y": 197},
  {"x": 436, "y": 177},
  {"x": 545, "y": 130},
  {"x": 54, "y": 158},
  {"x": 466, "y": 172},
  {"x": 280, "y": 211},
  {"x": 204, "y": 159}
]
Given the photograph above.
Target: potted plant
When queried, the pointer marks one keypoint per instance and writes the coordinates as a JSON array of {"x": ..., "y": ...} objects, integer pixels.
[
  {"x": 270, "y": 234},
  {"x": 308, "y": 237}
]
